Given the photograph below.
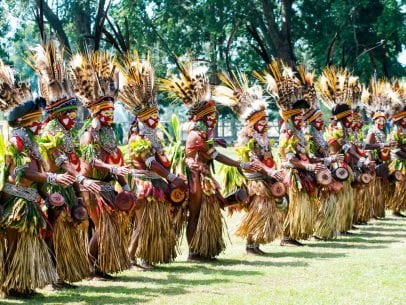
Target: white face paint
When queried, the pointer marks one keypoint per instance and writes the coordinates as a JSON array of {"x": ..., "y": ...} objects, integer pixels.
[
  {"x": 65, "y": 121},
  {"x": 260, "y": 128}
]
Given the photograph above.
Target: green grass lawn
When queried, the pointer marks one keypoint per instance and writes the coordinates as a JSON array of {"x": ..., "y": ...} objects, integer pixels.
[{"x": 366, "y": 268}]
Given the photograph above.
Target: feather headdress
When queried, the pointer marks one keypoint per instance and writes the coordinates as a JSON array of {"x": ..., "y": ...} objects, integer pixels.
[
  {"x": 379, "y": 97},
  {"x": 53, "y": 78},
  {"x": 247, "y": 102},
  {"x": 282, "y": 84},
  {"x": 95, "y": 80},
  {"x": 292, "y": 91},
  {"x": 17, "y": 97},
  {"x": 138, "y": 88},
  {"x": 12, "y": 93},
  {"x": 398, "y": 101},
  {"x": 192, "y": 87},
  {"x": 339, "y": 90}
]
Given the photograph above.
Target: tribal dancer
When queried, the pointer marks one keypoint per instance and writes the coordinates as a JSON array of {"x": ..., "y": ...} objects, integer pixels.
[
  {"x": 292, "y": 98},
  {"x": 363, "y": 193},
  {"x": 378, "y": 106},
  {"x": 262, "y": 222},
  {"x": 205, "y": 224},
  {"x": 67, "y": 217},
  {"x": 339, "y": 90},
  {"x": 327, "y": 210},
  {"x": 153, "y": 240},
  {"x": 397, "y": 168},
  {"x": 28, "y": 264},
  {"x": 96, "y": 85}
]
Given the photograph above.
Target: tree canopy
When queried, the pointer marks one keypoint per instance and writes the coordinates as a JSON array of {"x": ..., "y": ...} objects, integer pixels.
[{"x": 364, "y": 36}]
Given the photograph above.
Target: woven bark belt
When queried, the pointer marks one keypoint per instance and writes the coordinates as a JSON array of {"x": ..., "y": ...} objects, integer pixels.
[{"x": 26, "y": 193}]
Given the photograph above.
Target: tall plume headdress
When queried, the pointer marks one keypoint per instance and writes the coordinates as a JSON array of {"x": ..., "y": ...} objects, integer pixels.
[
  {"x": 285, "y": 87},
  {"x": 137, "y": 91},
  {"x": 339, "y": 91},
  {"x": 54, "y": 82},
  {"x": 192, "y": 88},
  {"x": 17, "y": 97},
  {"x": 95, "y": 80},
  {"x": 246, "y": 102},
  {"x": 398, "y": 103},
  {"x": 378, "y": 99}
]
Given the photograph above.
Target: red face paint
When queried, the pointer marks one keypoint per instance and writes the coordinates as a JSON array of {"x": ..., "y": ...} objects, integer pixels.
[
  {"x": 35, "y": 127},
  {"x": 319, "y": 124},
  {"x": 380, "y": 123},
  {"x": 68, "y": 120},
  {"x": 152, "y": 121},
  {"x": 261, "y": 126},
  {"x": 211, "y": 120},
  {"x": 106, "y": 117}
]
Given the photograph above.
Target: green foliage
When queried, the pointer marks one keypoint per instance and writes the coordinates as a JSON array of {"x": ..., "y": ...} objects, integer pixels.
[{"x": 175, "y": 148}]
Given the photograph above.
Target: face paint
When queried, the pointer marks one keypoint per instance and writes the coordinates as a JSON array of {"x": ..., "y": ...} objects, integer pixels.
[
  {"x": 68, "y": 120},
  {"x": 380, "y": 123},
  {"x": 261, "y": 126},
  {"x": 211, "y": 120},
  {"x": 319, "y": 124},
  {"x": 348, "y": 121},
  {"x": 403, "y": 122},
  {"x": 152, "y": 121},
  {"x": 298, "y": 122},
  {"x": 106, "y": 117},
  {"x": 35, "y": 127}
]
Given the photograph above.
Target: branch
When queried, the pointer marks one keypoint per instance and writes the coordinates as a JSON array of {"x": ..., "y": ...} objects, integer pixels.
[
  {"x": 330, "y": 50},
  {"x": 230, "y": 39},
  {"x": 99, "y": 23},
  {"x": 56, "y": 24},
  {"x": 261, "y": 49}
]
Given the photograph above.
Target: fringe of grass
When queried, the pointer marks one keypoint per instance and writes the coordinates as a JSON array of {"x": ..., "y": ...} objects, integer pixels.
[
  {"x": 299, "y": 218},
  {"x": 30, "y": 266},
  {"x": 377, "y": 198},
  {"x": 208, "y": 239},
  {"x": 113, "y": 253},
  {"x": 155, "y": 239},
  {"x": 70, "y": 245},
  {"x": 362, "y": 205},
  {"x": 345, "y": 200},
  {"x": 326, "y": 217},
  {"x": 262, "y": 222}
]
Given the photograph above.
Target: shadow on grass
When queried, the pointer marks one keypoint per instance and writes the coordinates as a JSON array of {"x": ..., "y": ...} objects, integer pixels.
[
  {"x": 376, "y": 234},
  {"x": 307, "y": 254}
]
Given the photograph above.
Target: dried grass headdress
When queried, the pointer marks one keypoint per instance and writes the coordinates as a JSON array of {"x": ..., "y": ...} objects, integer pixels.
[
  {"x": 138, "y": 88},
  {"x": 246, "y": 102},
  {"x": 339, "y": 90},
  {"x": 95, "y": 80},
  {"x": 17, "y": 97},
  {"x": 54, "y": 82},
  {"x": 192, "y": 87},
  {"x": 285, "y": 87}
]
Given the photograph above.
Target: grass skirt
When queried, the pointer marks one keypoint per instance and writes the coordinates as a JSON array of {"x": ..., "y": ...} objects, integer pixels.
[
  {"x": 345, "y": 201},
  {"x": 378, "y": 198},
  {"x": 208, "y": 239},
  {"x": 30, "y": 266},
  {"x": 398, "y": 198},
  {"x": 70, "y": 242},
  {"x": 154, "y": 238},
  {"x": 299, "y": 219},
  {"x": 362, "y": 204},
  {"x": 262, "y": 222},
  {"x": 326, "y": 217},
  {"x": 113, "y": 253}
]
